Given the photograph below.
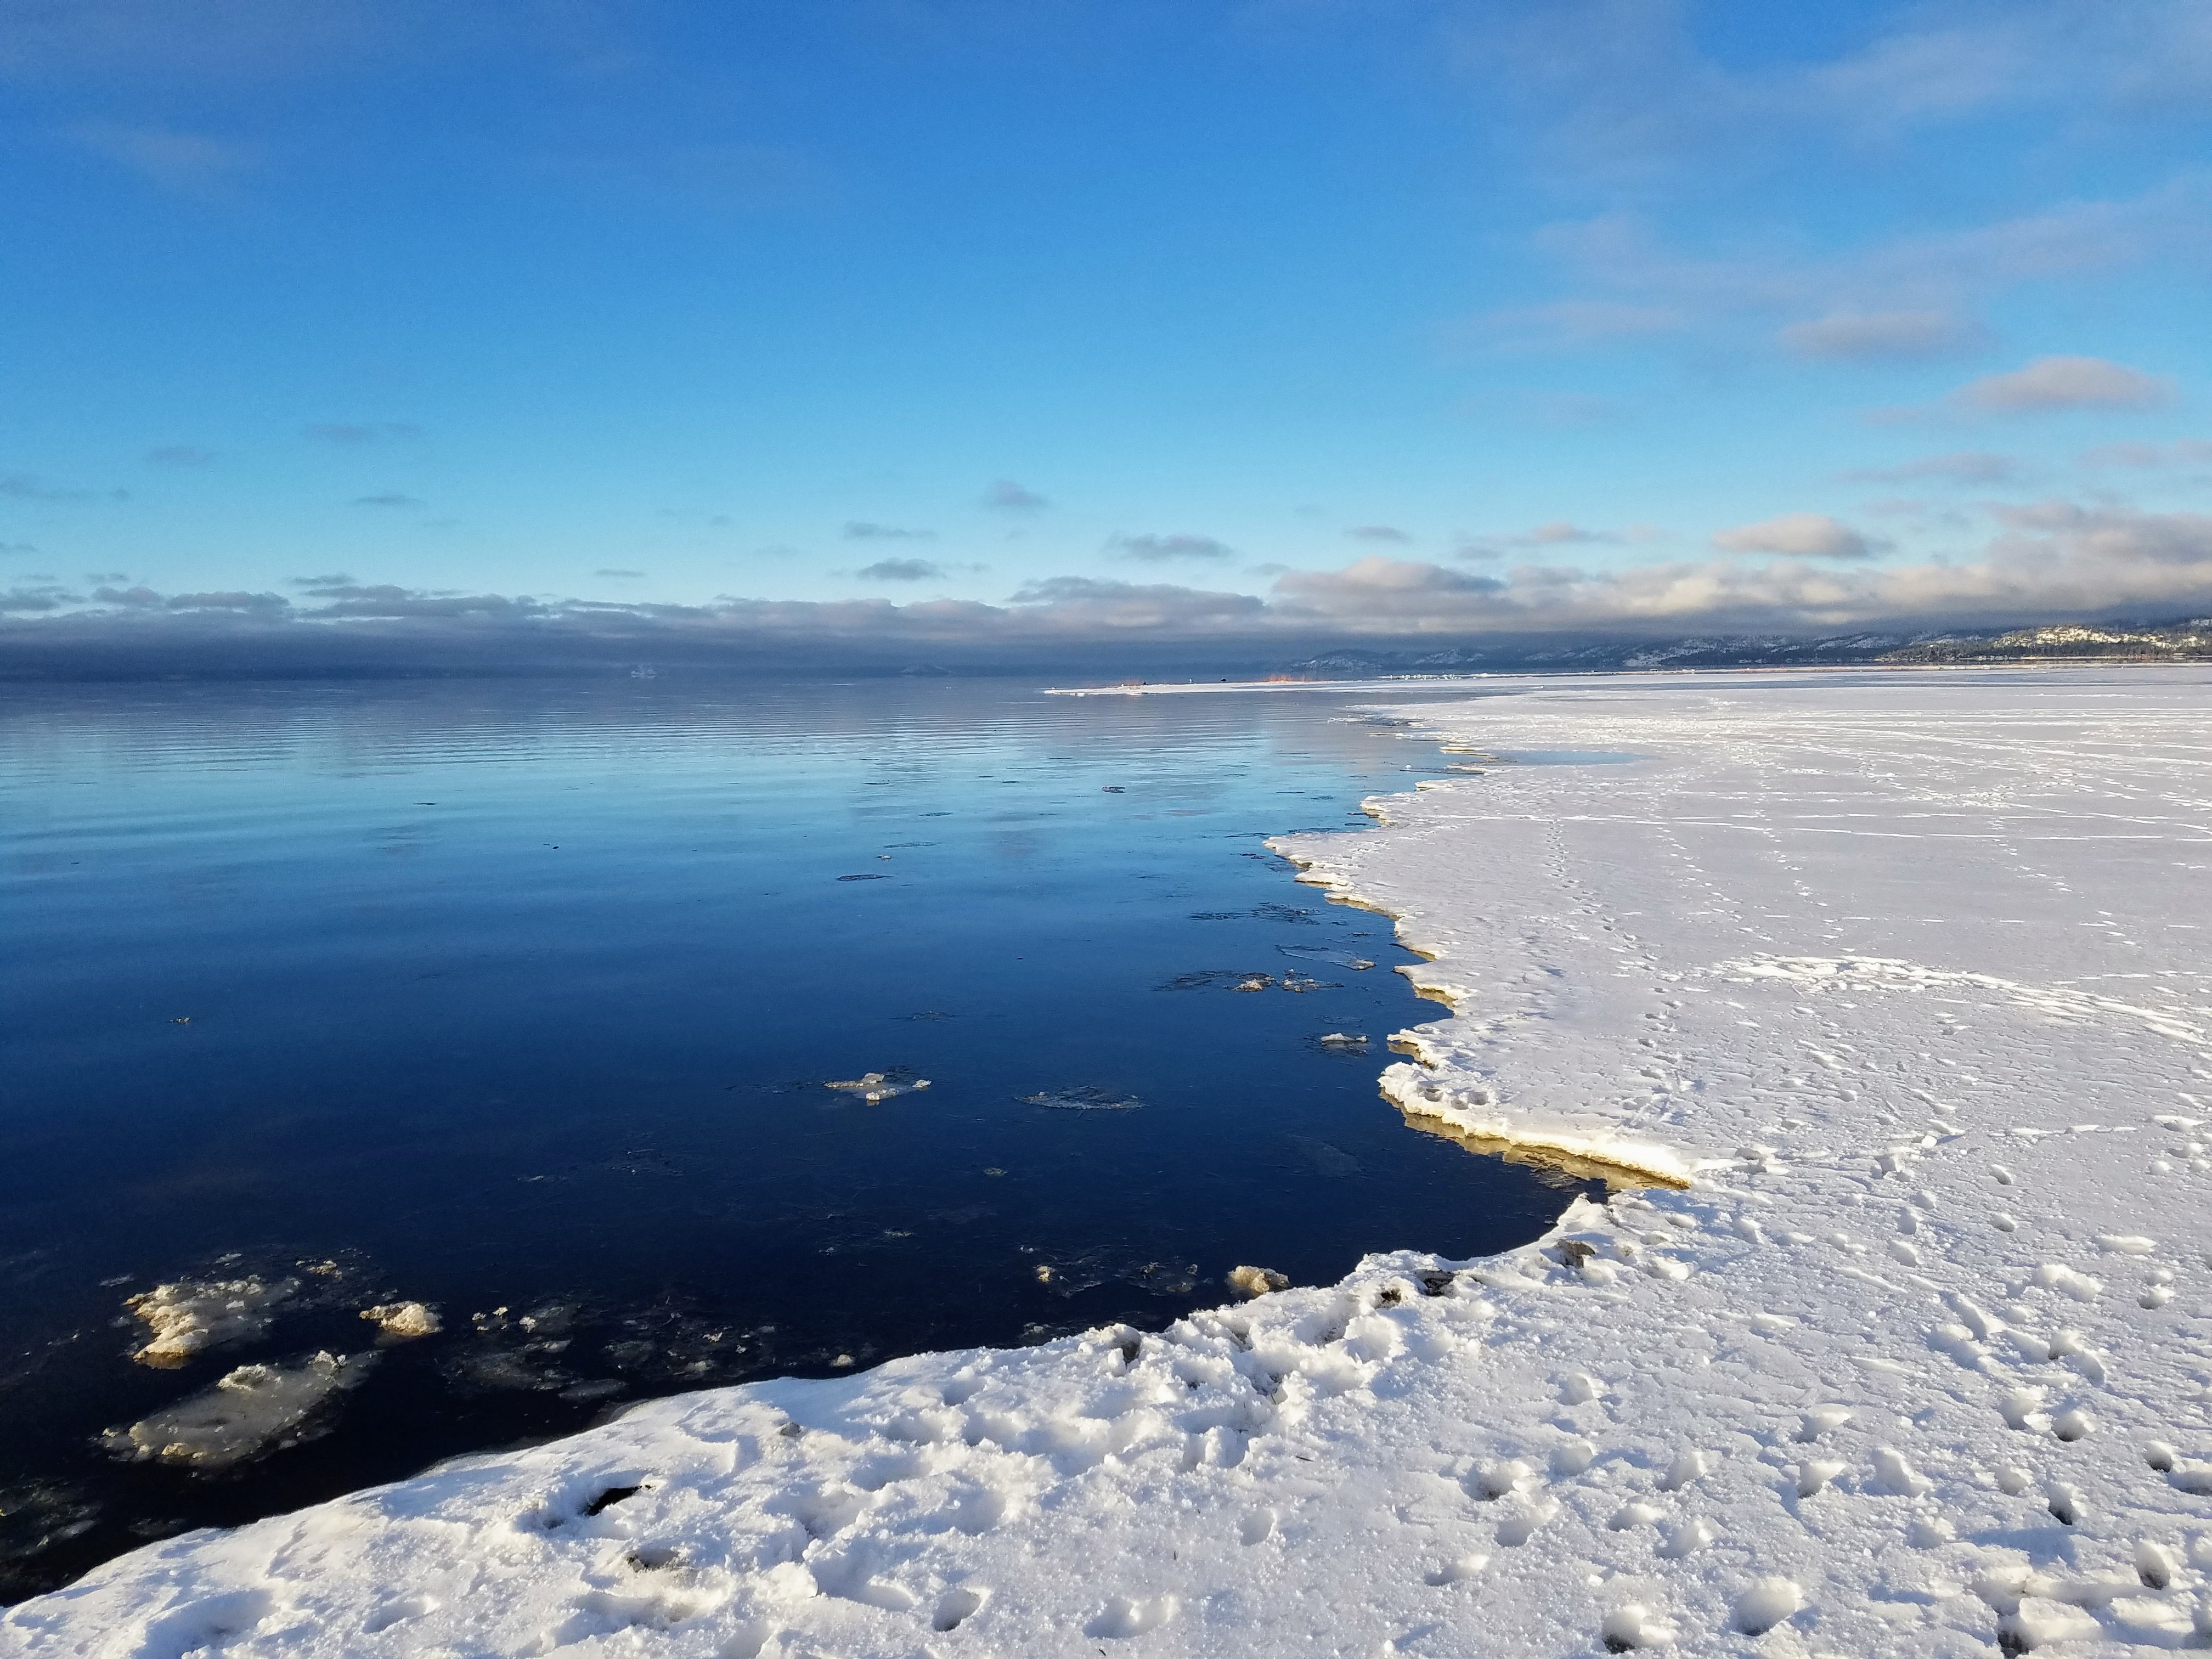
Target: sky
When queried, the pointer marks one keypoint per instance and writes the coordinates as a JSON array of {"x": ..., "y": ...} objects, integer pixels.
[{"x": 988, "y": 325}]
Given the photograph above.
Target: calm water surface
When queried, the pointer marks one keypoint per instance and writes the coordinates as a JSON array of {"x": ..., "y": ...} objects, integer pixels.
[{"x": 520, "y": 999}]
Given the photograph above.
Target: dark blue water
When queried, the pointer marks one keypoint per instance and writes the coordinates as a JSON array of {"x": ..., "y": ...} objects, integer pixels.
[{"x": 521, "y": 998}]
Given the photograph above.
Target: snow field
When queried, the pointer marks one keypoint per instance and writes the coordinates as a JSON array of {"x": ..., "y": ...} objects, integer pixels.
[{"x": 1904, "y": 980}]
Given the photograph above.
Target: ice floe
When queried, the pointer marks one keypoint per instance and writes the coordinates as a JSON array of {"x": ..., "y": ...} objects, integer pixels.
[
  {"x": 403, "y": 1321},
  {"x": 873, "y": 1086},
  {"x": 1885, "y": 1001},
  {"x": 1256, "y": 1281},
  {"x": 1085, "y": 1097},
  {"x": 195, "y": 1315},
  {"x": 251, "y": 1410}
]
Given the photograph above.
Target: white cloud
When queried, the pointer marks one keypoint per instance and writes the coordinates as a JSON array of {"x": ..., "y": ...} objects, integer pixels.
[
  {"x": 2062, "y": 383},
  {"x": 2051, "y": 561},
  {"x": 1799, "y": 535}
]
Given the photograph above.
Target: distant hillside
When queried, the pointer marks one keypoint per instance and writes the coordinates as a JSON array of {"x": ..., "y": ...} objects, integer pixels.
[
  {"x": 2163, "y": 642},
  {"x": 2186, "y": 641}
]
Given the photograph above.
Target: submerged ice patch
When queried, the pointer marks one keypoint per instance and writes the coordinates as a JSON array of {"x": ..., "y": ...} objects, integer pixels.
[{"x": 254, "y": 1409}]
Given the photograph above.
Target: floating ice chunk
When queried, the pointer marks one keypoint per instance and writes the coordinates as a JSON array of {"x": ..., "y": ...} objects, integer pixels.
[
  {"x": 403, "y": 1321},
  {"x": 1343, "y": 1042},
  {"x": 256, "y": 1408},
  {"x": 1082, "y": 1098},
  {"x": 1256, "y": 1281},
  {"x": 193, "y": 1315},
  {"x": 873, "y": 1086}
]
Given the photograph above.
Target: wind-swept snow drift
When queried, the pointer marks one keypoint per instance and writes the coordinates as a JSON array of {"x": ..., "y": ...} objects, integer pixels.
[{"x": 1905, "y": 983}]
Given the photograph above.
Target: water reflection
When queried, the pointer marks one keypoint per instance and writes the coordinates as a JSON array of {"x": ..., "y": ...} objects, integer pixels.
[{"x": 519, "y": 1001}]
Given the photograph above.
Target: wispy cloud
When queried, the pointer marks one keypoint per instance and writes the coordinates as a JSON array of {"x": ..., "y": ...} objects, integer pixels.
[
  {"x": 1963, "y": 466},
  {"x": 900, "y": 570},
  {"x": 1007, "y": 496},
  {"x": 1862, "y": 336},
  {"x": 621, "y": 575},
  {"x": 1899, "y": 297},
  {"x": 728, "y": 177},
  {"x": 2050, "y": 384},
  {"x": 1159, "y": 549},
  {"x": 1558, "y": 532},
  {"x": 860, "y": 530},
  {"x": 188, "y": 164},
  {"x": 1377, "y": 532},
  {"x": 1619, "y": 93},
  {"x": 100, "y": 41},
  {"x": 179, "y": 455},
  {"x": 2182, "y": 452},
  {"x": 390, "y": 498},
  {"x": 349, "y": 433},
  {"x": 29, "y": 487}
]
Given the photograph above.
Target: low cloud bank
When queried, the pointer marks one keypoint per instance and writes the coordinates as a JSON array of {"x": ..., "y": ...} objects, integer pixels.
[{"x": 2052, "y": 561}]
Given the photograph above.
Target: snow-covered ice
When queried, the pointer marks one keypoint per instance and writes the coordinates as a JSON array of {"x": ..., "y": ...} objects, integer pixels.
[
  {"x": 194, "y": 1315},
  {"x": 249, "y": 1411},
  {"x": 1894, "y": 990},
  {"x": 874, "y": 1086},
  {"x": 403, "y": 1321}
]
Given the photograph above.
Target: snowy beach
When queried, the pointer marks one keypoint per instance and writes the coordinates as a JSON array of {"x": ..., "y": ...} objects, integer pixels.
[{"x": 1894, "y": 993}]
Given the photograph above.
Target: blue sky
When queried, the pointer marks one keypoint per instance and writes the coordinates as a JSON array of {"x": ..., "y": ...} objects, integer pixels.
[{"x": 1383, "y": 317}]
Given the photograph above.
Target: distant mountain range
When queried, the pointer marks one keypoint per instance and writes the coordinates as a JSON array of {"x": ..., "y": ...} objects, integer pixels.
[{"x": 2136, "y": 642}]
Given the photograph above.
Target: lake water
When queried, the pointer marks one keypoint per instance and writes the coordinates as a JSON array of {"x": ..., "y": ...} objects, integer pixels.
[{"x": 521, "y": 998}]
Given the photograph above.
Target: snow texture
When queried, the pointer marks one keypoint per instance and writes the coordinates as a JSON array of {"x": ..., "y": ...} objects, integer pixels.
[{"x": 1898, "y": 990}]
